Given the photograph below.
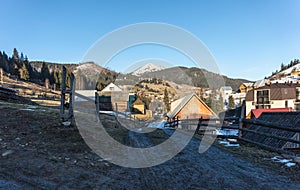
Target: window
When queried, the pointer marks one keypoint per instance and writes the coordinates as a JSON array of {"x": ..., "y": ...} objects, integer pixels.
[
  {"x": 111, "y": 88},
  {"x": 263, "y": 97},
  {"x": 262, "y": 106},
  {"x": 286, "y": 104},
  {"x": 298, "y": 94}
]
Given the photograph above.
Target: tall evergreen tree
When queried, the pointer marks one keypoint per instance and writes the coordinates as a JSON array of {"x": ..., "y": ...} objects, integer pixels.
[
  {"x": 166, "y": 100},
  {"x": 22, "y": 57},
  {"x": 45, "y": 74},
  {"x": 23, "y": 72},
  {"x": 231, "y": 104},
  {"x": 15, "y": 54}
]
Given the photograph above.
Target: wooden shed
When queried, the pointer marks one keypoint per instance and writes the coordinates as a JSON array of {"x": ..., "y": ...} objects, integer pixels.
[{"x": 190, "y": 107}]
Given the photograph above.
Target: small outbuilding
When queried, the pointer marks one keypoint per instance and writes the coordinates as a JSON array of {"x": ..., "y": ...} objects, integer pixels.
[
  {"x": 138, "y": 106},
  {"x": 190, "y": 107}
]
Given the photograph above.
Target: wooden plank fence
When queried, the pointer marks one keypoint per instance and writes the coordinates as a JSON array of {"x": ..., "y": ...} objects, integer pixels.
[{"x": 209, "y": 125}]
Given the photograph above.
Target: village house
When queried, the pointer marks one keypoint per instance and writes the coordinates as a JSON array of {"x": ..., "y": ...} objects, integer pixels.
[
  {"x": 276, "y": 95},
  {"x": 225, "y": 92},
  {"x": 113, "y": 97},
  {"x": 260, "y": 83},
  {"x": 245, "y": 87},
  {"x": 255, "y": 113},
  {"x": 190, "y": 107}
]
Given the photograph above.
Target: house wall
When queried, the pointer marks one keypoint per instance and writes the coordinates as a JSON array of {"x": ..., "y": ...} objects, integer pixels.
[
  {"x": 111, "y": 106},
  {"x": 274, "y": 104},
  {"x": 249, "y": 107},
  {"x": 281, "y": 103},
  {"x": 193, "y": 109}
]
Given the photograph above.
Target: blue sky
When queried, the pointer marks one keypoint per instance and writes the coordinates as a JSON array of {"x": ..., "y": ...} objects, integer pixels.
[{"x": 248, "y": 39}]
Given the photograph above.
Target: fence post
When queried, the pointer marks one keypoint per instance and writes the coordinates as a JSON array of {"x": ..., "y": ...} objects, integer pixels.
[
  {"x": 198, "y": 126},
  {"x": 63, "y": 103},
  {"x": 243, "y": 110},
  {"x": 1, "y": 76},
  {"x": 97, "y": 104},
  {"x": 71, "y": 98},
  {"x": 187, "y": 123},
  {"x": 116, "y": 109},
  {"x": 63, "y": 94}
]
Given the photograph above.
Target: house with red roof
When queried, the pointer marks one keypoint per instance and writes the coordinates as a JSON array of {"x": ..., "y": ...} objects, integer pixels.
[{"x": 255, "y": 113}]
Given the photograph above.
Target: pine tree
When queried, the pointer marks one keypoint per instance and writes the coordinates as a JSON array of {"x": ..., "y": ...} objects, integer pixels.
[
  {"x": 23, "y": 72},
  {"x": 44, "y": 72},
  {"x": 22, "y": 57},
  {"x": 231, "y": 104},
  {"x": 166, "y": 100},
  {"x": 15, "y": 54}
]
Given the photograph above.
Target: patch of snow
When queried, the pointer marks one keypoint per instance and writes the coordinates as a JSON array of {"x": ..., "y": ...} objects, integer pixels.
[
  {"x": 147, "y": 69},
  {"x": 66, "y": 123},
  {"x": 31, "y": 107},
  {"x": 6, "y": 153},
  {"x": 289, "y": 70},
  {"x": 232, "y": 140},
  {"x": 280, "y": 160},
  {"x": 286, "y": 162},
  {"x": 26, "y": 109},
  {"x": 290, "y": 164},
  {"x": 232, "y": 145},
  {"x": 158, "y": 125},
  {"x": 226, "y": 132},
  {"x": 108, "y": 112},
  {"x": 223, "y": 142},
  {"x": 228, "y": 144},
  {"x": 112, "y": 113}
]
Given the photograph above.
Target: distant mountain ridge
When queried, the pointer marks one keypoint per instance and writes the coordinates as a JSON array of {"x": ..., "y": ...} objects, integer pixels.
[
  {"x": 196, "y": 77},
  {"x": 91, "y": 75}
]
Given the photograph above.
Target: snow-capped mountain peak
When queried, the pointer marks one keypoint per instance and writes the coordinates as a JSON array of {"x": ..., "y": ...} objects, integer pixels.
[{"x": 147, "y": 69}]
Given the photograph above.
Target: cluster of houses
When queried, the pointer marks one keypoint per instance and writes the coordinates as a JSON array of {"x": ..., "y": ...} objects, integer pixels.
[
  {"x": 272, "y": 102},
  {"x": 265, "y": 96},
  {"x": 115, "y": 98},
  {"x": 261, "y": 96}
]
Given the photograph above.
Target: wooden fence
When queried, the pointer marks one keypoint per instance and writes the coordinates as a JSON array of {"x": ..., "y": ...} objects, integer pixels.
[
  {"x": 207, "y": 126},
  {"x": 266, "y": 124}
]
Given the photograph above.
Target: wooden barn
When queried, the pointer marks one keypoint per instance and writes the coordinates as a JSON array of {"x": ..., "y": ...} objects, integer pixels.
[
  {"x": 284, "y": 119},
  {"x": 190, "y": 107}
]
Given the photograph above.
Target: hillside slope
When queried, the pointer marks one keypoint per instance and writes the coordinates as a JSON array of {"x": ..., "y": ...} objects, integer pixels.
[{"x": 195, "y": 77}]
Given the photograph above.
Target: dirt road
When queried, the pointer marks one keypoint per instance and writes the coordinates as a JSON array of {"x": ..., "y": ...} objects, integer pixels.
[{"x": 39, "y": 156}]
